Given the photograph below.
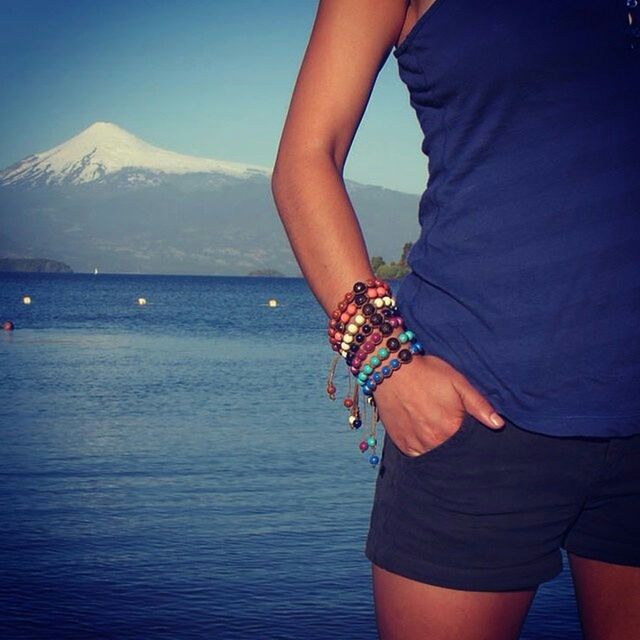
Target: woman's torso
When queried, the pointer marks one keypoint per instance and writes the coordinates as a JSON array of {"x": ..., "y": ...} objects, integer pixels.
[{"x": 526, "y": 274}]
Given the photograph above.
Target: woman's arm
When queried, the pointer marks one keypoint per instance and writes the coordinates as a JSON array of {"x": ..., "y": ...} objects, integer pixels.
[
  {"x": 349, "y": 43},
  {"x": 423, "y": 403}
]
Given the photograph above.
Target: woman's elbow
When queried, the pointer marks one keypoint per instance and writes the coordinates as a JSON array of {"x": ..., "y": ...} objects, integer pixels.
[{"x": 287, "y": 171}]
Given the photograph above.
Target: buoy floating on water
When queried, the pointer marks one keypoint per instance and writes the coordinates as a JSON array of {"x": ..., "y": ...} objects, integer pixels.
[
  {"x": 272, "y": 302},
  {"x": 7, "y": 325},
  {"x": 142, "y": 301},
  {"x": 26, "y": 299}
]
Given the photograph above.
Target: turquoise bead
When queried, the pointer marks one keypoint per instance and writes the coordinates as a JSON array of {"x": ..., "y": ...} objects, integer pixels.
[
  {"x": 410, "y": 334},
  {"x": 371, "y": 441},
  {"x": 384, "y": 353},
  {"x": 368, "y": 369},
  {"x": 402, "y": 338},
  {"x": 362, "y": 376},
  {"x": 375, "y": 361}
]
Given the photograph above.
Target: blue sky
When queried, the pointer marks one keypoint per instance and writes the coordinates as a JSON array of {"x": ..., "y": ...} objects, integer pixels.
[{"x": 203, "y": 77}]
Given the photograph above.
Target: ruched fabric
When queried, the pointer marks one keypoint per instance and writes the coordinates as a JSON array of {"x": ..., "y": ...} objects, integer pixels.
[{"x": 526, "y": 273}]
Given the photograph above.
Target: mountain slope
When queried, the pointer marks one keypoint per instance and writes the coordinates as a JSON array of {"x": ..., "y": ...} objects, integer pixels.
[
  {"x": 104, "y": 149},
  {"x": 109, "y": 200}
]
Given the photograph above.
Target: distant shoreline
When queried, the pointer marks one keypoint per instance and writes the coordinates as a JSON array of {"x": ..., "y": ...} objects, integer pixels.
[
  {"x": 104, "y": 275},
  {"x": 33, "y": 265},
  {"x": 158, "y": 275}
]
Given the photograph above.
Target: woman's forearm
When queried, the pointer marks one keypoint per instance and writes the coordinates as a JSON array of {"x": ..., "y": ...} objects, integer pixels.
[{"x": 321, "y": 225}]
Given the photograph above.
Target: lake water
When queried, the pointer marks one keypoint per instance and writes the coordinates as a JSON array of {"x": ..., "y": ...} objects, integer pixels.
[{"x": 176, "y": 470}]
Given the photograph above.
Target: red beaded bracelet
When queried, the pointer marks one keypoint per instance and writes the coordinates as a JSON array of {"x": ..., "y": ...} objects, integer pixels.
[{"x": 342, "y": 334}]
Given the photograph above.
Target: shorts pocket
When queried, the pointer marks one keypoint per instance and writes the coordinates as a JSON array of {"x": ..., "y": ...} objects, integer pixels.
[{"x": 456, "y": 437}]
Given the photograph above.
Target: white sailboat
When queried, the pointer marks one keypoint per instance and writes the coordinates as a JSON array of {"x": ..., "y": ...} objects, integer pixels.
[{"x": 95, "y": 271}]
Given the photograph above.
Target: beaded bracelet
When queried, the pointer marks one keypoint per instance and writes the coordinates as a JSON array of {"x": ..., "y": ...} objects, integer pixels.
[
  {"x": 366, "y": 315},
  {"x": 352, "y": 312},
  {"x": 369, "y": 378}
]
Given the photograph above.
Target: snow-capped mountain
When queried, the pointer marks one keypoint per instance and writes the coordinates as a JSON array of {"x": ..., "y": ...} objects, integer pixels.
[
  {"x": 107, "y": 199},
  {"x": 104, "y": 149}
]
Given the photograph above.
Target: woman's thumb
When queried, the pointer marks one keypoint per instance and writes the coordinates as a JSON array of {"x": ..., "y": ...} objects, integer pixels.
[{"x": 477, "y": 406}]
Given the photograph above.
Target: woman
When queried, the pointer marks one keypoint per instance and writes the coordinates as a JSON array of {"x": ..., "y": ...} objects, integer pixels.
[{"x": 517, "y": 433}]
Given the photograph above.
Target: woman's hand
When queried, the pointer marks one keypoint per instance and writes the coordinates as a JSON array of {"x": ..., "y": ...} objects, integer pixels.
[{"x": 423, "y": 404}]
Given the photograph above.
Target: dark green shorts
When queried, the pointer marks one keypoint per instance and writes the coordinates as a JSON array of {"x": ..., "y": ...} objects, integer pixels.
[{"x": 490, "y": 510}]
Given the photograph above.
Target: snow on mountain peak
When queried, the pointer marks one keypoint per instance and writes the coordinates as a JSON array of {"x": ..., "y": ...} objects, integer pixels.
[{"x": 105, "y": 148}]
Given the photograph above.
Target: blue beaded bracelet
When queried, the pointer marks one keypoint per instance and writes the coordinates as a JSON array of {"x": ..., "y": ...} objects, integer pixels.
[
  {"x": 368, "y": 383},
  {"x": 383, "y": 353}
]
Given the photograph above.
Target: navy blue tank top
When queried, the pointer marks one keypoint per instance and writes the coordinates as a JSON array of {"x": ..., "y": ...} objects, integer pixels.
[{"x": 526, "y": 273}]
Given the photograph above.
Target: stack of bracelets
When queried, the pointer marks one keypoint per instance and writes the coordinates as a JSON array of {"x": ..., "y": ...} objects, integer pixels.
[{"x": 357, "y": 327}]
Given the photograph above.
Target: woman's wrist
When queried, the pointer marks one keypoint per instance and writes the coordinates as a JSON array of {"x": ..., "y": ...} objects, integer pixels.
[{"x": 368, "y": 332}]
